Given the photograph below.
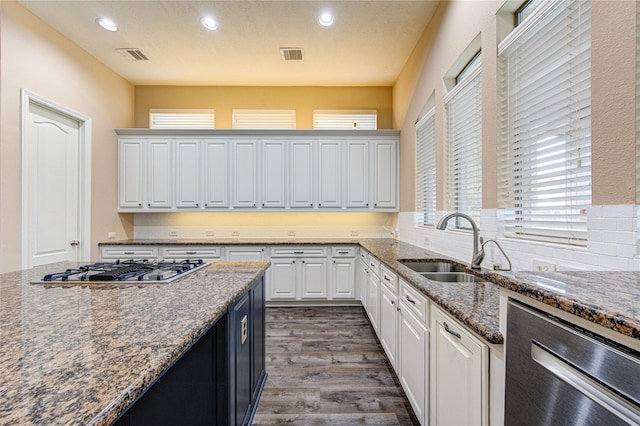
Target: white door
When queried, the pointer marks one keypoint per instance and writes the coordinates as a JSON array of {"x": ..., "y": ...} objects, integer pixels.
[
  {"x": 301, "y": 177},
  {"x": 52, "y": 187},
  {"x": 313, "y": 278},
  {"x": 330, "y": 174},
  {"x": 343, "y": 279},
  {"x": 187, "y": 166},
  {"x": 273, "y": 173},
  {"x": 357, "y": 174},
  {"x": 385, "y": 178},
  {"x": 413, "y": 350},
  {"x": 216, "y": 183},
  {"x": 245, "y": 172},
  {"x": 159, "y": 173},
  {"x": 281, "y": 282},
  {"x": 389, "y": 324},
  {"x": 131, "y": 177}
]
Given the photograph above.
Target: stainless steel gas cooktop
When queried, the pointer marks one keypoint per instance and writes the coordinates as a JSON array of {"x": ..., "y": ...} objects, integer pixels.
[{"x": 139, "y": 271}]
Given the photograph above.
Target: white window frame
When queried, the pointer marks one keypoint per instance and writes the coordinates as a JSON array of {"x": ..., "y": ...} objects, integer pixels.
[
  {"x": 463, "y": 163},
  {"x": 263, "y": 118},
  {"x": 160, "y": 118},
  {"x": 345, "y": 119},
  {"x": 426, "y": 169},
  {"x": 544, "y": 152}
]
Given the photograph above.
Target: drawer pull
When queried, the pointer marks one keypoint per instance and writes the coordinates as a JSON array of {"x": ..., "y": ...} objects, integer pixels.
[
  {"x": 343, "y": 252},
  {"x": 298, "y": 252},
  {"x": 129, "y": 252},
  {"x": 372, "y": 265},
  {"x": 386, "y": 278},
  {"x": 450, "y": 331},
  {"x": 192, "y": 252},
  {"x": 410, "y": 300}
]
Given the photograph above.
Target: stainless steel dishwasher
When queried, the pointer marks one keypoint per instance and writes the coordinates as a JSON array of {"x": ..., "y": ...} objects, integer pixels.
[{"x": 560, "y": 374}]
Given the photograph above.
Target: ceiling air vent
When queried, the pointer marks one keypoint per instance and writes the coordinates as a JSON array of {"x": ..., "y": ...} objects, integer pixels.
[
  {"x": 132, "y": 54},
  {"x": 291, "y": 53}
]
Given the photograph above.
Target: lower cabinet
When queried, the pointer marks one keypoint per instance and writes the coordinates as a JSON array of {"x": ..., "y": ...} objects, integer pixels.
[
  {"x": 373, "y": 300},
  {"x": 362, "y": 280},
  {"x": 459, "y": 374},
  {"x": 389, "y": 325},
  {"x": 413, "y": 354},
  {"x": 218, "y": 380}
]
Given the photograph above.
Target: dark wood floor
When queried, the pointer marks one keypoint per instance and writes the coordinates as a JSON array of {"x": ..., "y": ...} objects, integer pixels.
[{"x": 326, "y": 367}]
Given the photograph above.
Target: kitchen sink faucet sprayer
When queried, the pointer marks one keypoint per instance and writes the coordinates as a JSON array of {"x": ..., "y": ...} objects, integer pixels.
[{"x": 478, "y": 255}]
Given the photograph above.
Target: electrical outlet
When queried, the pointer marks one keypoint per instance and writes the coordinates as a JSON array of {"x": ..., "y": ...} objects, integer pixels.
[
  {"x": 355, "y": 233},
  {"x": 543, "y": 265},
  {"x": 173, "y": 233},
  {"x": 209, "y": 234},
  {"x": 111, "y": 235},
  {"x": 235, "y": 233},
  {"x": 291, "y": 233}
]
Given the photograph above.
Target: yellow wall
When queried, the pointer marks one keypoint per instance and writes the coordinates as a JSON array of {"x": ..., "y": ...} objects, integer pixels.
[
  {"x": 42, "y": 61},
  {"x": 455, "y": 25},
  {"x": 224, "y": 98}
]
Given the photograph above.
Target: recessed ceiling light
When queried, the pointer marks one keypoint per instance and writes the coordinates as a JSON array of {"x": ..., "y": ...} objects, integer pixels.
[
  {"x": 107, "y": 24},
  {"x": 326, "y": 19},
  {"x": 209, "y": 23}
]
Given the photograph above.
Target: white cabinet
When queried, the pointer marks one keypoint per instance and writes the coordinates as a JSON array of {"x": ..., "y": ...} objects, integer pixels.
[
  {"x": 389, "y": 324},
  {"x": 206, "y": 253},
  {"x": 165, "y": 173},
  {"x": 373, "y": 292},
  {"x": 459, "y": 366},
  {"x": 131, "y": 179},
  {"x": 245, "y": 173},
  {"x": 118, "y": 252},
  {"x": 216, "y": 173},
  {"x": 159, "y": 178},
  {"x": 281, "y": 280},
  {"x": 343, "y": 273},
  {"x": 362, "y": 278},
  {"x": 245, "y": 253},
  {"x": 313, "y": 278},
  {"x": 301, "y": 174},
  {"x": 273, "y": 161},
  {"x": 385, "y": 174},
  {"x": 357, "y": 174},
  {"x": 413, "y": 341},
  {"x": 187, "y": 167},
  {"x": 330, "y": 174}
]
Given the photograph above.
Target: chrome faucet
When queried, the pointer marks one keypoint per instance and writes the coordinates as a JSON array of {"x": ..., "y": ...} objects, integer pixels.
[
  {"x": 496, "y": 267},
  {"x": 478, "y": 255}
]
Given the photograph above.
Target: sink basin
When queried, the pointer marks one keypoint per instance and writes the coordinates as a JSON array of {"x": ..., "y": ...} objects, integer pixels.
[
  {"x": 452, "y": 277},
  {"x": 434, "y": 267}
]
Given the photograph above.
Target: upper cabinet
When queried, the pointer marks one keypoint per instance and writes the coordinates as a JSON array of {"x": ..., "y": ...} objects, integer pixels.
[{"x": 164, "y": 171}]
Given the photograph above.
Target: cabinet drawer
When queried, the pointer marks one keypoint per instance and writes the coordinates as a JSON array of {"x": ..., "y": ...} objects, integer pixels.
[
  {"x": 389, "y": 279},
  {"x": 415, "y": 302},
  {"x": 128, "y": 252},
  {"x": 298, "y": 252},
  {"x": 374, "y": 264},
  {"x": 364, "y": 256},
  {"x": 343, "y": 251},
  {"x": 191, "y": 252}
]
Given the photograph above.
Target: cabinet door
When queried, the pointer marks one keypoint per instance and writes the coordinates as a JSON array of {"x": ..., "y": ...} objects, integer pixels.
[
  {"x": 373, "y": 300},
  {"x": 245, "y": 172},
  {"x": 159, "y": 173},
  {"x": 357, "y": 174},
  {"x": 363, "y": 280},
  {"x": 389, "y": 324},
  {"x": 216, "y": 173},
  {"x": 343, "y": 279},
  {"x": 457, "y": 374},
  {"x": 413, "y": 351},
  {"x": 301, "y": 174},
  {"x": 281, "y": 282},
  {"x": 131, "y": 173},
  {"x": 313, "y": 278},
  {"x": 245, "y": 254},
  {"x": 187, "y": 166},
  {"x": 257, "y": 339},
  {"x": 273, "y": 173},
  {"x": 385, "y": 174},
  {"x": 330, "y": 174},
  {"x": 241, "y": 359}
]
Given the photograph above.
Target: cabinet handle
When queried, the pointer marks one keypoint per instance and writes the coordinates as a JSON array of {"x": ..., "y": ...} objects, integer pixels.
[
  {"x": 393, "y": 302},
  {"x": 206, "y": 204},
  {"x": 197, "y": 204},
  {"x": 450, "y": 331},
  {"x": 303, "y": 261},
  {"x": 334, "y": 261},
  {"x": 372, "y": 265},
  {"x": 262, "y": 204},
  {"x": 192, "y": 252},
  {"x": 254, "y": 204},
  {"x": 319, "y": 204},
  {"x": 149, "y": 205},
  {"x": 386, "y": 278},
  {"x": 139, "y": 204},
  {"x": 410, "y": 300},
  {"x": 343, "y": 252},
  {"x": 310, "y": 204},
  {"x": 375, "y": 205},
  {"x": 128, "y": 253},
  {"x": 298, "y": 252}
]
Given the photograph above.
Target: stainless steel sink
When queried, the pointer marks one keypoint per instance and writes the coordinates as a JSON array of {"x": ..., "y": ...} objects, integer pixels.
[
  {"x": 434, "y": 266},
  {"x": 452, "y": 277}
]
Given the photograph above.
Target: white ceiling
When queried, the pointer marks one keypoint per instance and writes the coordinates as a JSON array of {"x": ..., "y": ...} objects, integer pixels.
[{"x": 368, "y": 44}]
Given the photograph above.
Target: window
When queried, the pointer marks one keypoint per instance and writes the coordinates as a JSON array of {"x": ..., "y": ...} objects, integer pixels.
[
  {"x": 463, "y": 106},
  {"x": 182, "y": 119},
  {"x": 263, "y": 119},
  {"x": 345, "y": 119},
  {"x": 545, "y": 134},
  {"x": 426, "y": 169}
]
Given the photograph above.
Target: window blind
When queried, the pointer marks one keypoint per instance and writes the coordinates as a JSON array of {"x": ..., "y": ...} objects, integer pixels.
[
  {"x": 463, "y": 107},
  {"x": 345, "y": 120},
  {"x": 182, "y": 119},
  {"x": 545, "y": 127},
  {"x": 426, "y": 170},
  {"x": 263, "y": 119}
]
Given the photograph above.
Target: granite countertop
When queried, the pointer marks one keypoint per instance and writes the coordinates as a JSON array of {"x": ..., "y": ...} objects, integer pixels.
[
  {"x": 609, "y": 299},
  {"x": 78, "y": 354}
]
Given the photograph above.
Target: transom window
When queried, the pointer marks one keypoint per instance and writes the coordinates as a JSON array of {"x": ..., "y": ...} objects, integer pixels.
[{"x": 182, "y": 119}]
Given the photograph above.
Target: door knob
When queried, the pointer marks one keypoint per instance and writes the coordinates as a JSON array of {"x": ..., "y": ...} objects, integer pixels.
[{"x": 74, "y": 243}]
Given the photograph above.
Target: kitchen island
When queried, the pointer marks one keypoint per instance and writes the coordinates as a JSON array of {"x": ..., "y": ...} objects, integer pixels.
[{"x": 80, "y": 354}]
